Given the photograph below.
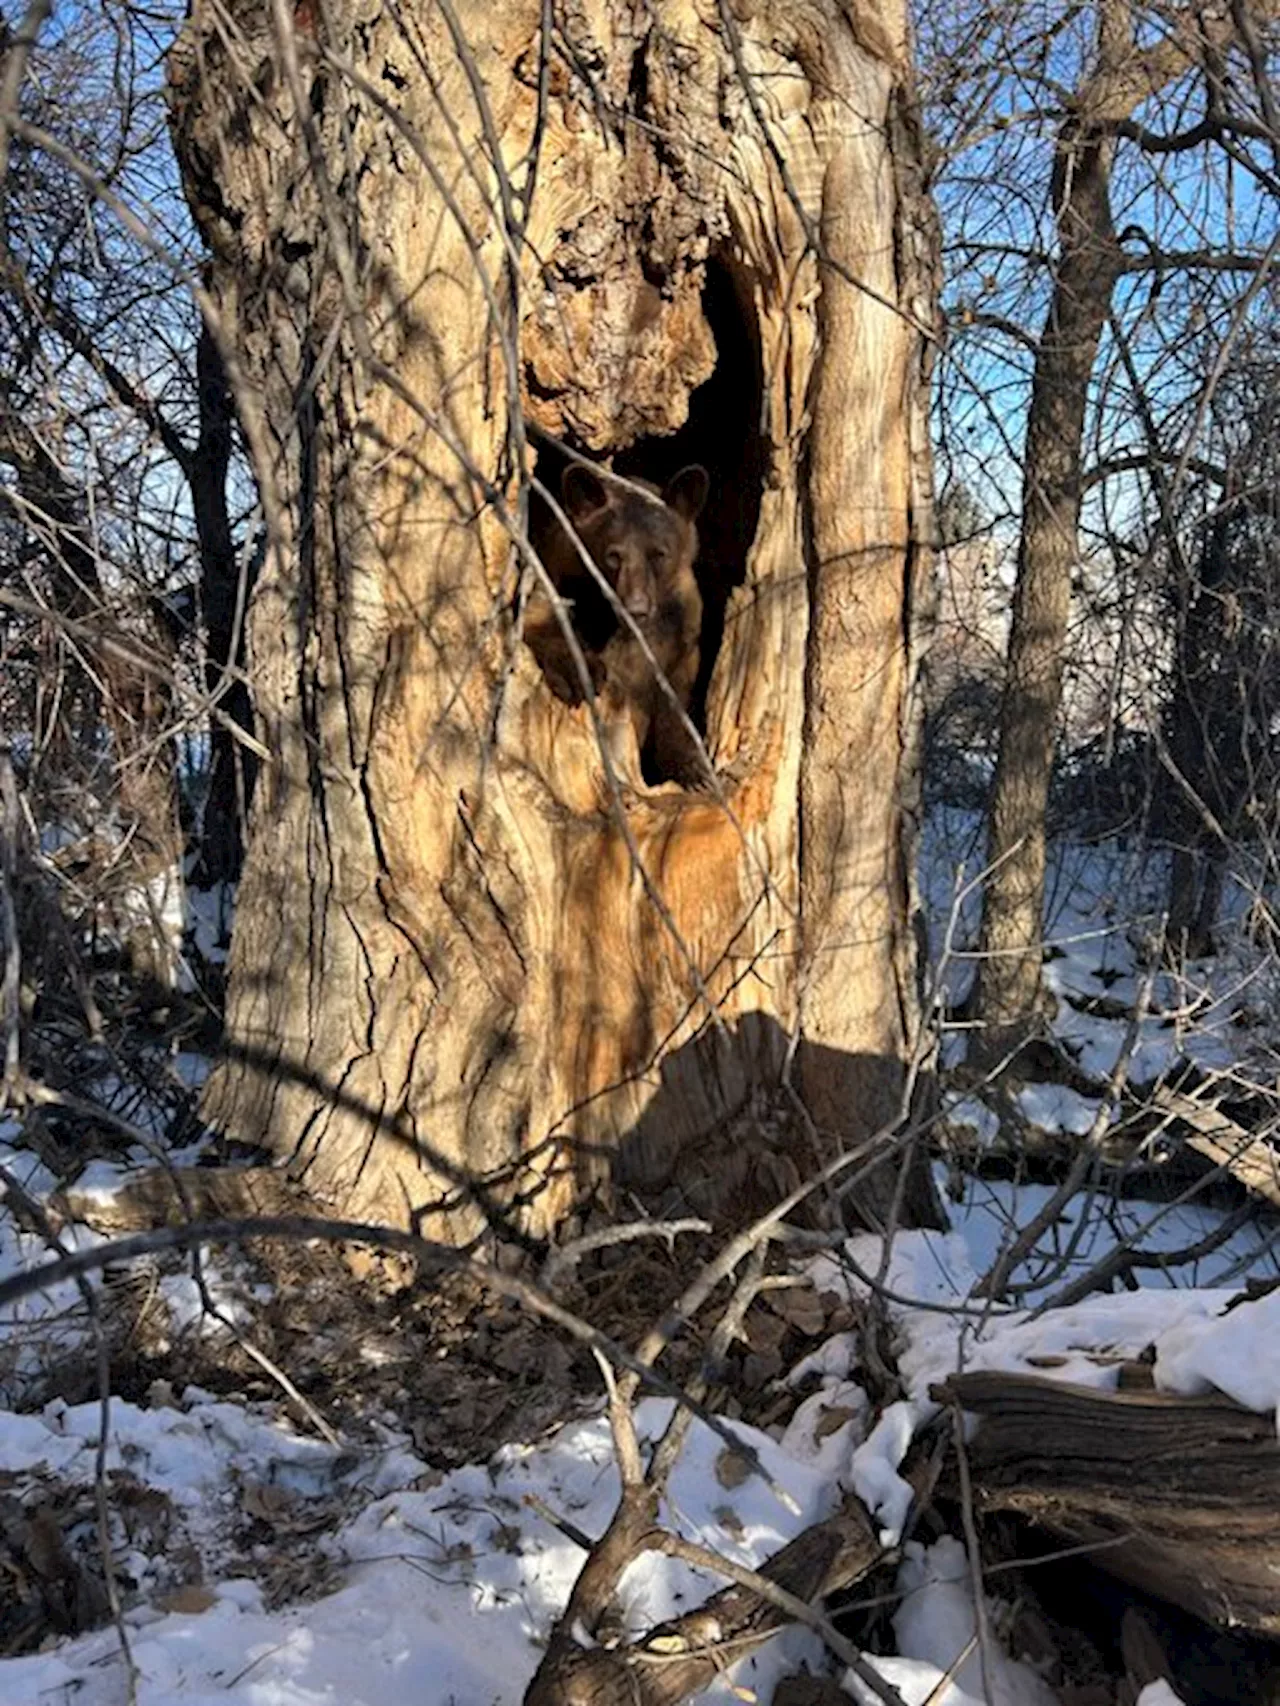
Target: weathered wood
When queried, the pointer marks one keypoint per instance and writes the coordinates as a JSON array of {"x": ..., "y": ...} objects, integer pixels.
[
  {"x": 1189, "y": 1487},
  {"x": 456, "y": 957},
  {"x": 1251, "y": 1162},
  {"x": 678, "y": 1659}
]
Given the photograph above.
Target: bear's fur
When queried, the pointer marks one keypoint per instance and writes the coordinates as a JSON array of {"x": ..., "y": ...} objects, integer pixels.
[{"x": 644, "y": 543}]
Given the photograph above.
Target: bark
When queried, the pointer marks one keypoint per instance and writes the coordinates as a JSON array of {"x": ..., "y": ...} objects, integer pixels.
[
  {"x": 1008, "y": 988},
  {"x": 677, "y": 1660},
  {"x": 1180, "y": 1495},
  {"x": 231, "y": 766},
  {"x": 463, "y": 975}
]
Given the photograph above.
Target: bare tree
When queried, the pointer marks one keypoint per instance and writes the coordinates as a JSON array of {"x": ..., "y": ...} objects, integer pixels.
[
  {"x": 122, "y": 577},
  {"x": 1115, "y": 87},
  {"x": 1223, "y": 595}
]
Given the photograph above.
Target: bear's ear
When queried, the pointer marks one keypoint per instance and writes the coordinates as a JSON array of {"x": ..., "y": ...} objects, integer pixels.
[
  {"x": 687, "y": 491},
  {"x": 583, "y": 492}
]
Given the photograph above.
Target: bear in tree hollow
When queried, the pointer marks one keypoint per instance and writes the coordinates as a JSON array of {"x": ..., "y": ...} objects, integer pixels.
[{"x": 644, "y": 542}]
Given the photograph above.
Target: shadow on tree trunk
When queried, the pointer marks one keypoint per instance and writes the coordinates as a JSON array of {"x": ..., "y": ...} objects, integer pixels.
[{"x": 735, "y": 1169}]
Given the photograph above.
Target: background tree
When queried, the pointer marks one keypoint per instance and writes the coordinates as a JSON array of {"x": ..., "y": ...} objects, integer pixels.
[
  {"x": 1153, "y": 111},
  {"x": 1221, "y": 713},
  {"x": 114, "y": 508}
]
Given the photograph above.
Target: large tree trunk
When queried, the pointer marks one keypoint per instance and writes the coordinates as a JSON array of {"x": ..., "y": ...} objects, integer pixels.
[{"x": 462, "y": 973}]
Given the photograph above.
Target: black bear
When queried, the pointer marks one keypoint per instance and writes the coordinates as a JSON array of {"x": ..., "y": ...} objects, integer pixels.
[{"x": 644, "y": 543}]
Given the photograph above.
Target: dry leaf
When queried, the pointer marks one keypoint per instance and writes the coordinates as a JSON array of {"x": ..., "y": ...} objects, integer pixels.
[
  {"x": 189, "y": 1601},
  {"x": 732, "y": 1469},
  {"x": 763, "y": 1330},
  {"x": 730, "y": 1521},
  {"x": 801, "y": 1309},
  {"x": 758, "y": 1369},
  {"x": 273, "y": 1505},
  {"x": 832, "y": 1419}
]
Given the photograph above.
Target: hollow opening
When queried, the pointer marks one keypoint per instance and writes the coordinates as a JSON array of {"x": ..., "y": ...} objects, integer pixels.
[
  {"x": 1091, "y": 1635},
  {"x": 1102, "y": 1626},
  {"x": 723, "y": 434}
]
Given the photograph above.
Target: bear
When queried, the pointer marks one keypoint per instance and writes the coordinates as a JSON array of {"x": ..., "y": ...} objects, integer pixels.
[{"x": 644, "y": 542}]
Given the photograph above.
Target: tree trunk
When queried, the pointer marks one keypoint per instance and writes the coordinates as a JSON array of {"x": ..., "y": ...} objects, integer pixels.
[
  {"x": 231, "y": 767},
  {"x": 1180, "y": 1496},
  {"x": 1008, "y": 988},
  {"x": 463, "y": 974}
]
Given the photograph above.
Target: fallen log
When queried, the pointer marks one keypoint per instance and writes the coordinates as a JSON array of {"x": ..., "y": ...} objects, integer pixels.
[
  {"x": 1181, "y": 1495},
  {"x": 681, "y": 1658},
  {"x": 1249, "y": 1160}
]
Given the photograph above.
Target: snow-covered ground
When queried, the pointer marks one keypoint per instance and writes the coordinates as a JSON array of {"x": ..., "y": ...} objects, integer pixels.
[
  {"x": 1103, "y": 909},
  {"x": 450, "y": 1584},
  {"x": 280, "y": 1570}
]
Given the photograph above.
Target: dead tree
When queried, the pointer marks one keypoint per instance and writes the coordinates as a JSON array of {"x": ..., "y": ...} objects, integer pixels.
[{"x": 478, "y": 957}]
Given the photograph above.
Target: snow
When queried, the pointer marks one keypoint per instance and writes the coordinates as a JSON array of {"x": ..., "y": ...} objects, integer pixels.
[
  {"x": 447, "y": 1586},
  {"x": 935, "y": 1625},
  {"x": 1102, "y": 916},
  {"x": 38, "y": 1329},
  {"x": 874, "y": 1468},
  {"x": 1199, "y": 1344},
  {"x": 1237, "y": 1353},
  {"x": 449, "y": 1591},
  {"x": 1090, "y": 1225},
  {"x": 1159, "y": 1694},
  {"x": 1054, "y": 1107},
  {"x": 209, "y": 912},
  {"x": 35, "y": 1330},
  {"x": 828, "y": 1426}
]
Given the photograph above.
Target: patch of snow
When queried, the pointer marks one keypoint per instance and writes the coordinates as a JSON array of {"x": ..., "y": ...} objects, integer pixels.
[
  {"x": 990, "y": 1212},
  {"x": 874, "y": 1468},
  {"x": 828, "y": 1426},
  {"x": 450, "y": 1591},
  {"x": 944, "y": 1328},
  {"x": 834, "y": 1360},
  {"x": 209, "y": 915},
  {"x": 1159, "y": 1694},
  {"x": 973, "y": 1112},
  {"x": 1237, "y": 1353},
  {"x": 37, "y": 1330},
  {"x": 1054, "y": 1107},
  {"x": 936, "y": 1629}
]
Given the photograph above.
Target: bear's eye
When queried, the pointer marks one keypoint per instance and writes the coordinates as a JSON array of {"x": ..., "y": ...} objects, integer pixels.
[
  {"x": 613, "y": 558},
  {"x": 657, "y": 559}
]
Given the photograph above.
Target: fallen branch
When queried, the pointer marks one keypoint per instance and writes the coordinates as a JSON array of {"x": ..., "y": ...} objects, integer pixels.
[
  {"x": 680, "y": 1658},
  {"x": 1249, "y": 1160}
]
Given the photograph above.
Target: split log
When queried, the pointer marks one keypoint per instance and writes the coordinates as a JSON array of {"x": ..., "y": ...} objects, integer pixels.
[
  {"x": 681, "y": 1658},
  {"x": 1181, "y": 1495}
]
